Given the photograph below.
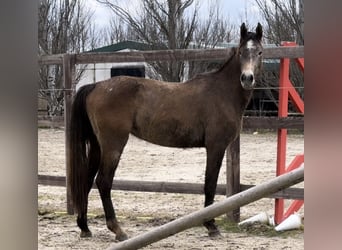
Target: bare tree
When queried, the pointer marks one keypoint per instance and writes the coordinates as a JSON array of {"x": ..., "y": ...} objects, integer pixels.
[
  {"x": 63, "y": 27},
  {"x": 117, "y": 31},
  {"x": 284, "y": 22},
  {"x": 171, "y": 24},
  {"x": 284, "y": 19},
  {"x": 210, "y": 32},
  {"x": 300, "y": 38},
  {"x": 161, "y": 25}
]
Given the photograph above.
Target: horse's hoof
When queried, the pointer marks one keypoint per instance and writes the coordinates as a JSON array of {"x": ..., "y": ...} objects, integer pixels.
[
  {"x": 214, "y": 233},
  {"x": 85, "y": 234},
  {"x": 121, "y": 237}
]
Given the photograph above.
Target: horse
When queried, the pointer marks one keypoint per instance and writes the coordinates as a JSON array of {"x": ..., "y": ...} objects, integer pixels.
[{"x": 205, "y": 111}]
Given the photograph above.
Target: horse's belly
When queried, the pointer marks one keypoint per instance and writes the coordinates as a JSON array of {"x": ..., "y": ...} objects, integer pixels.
[
  {"x": 171, "y": 135},
  {"x": 172, "y": 141}
]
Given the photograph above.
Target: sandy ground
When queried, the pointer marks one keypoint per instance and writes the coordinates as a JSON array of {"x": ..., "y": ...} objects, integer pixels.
[{"x": 138, "y": 212}]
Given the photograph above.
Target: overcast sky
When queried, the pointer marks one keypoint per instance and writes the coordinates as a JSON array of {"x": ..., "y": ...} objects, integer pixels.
[{"x": 235, "y": 9}]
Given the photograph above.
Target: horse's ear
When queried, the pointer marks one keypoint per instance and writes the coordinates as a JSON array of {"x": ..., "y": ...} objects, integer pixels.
[
  {"x": 258, "y": 32},
  {"x": 243, "y": 32}
]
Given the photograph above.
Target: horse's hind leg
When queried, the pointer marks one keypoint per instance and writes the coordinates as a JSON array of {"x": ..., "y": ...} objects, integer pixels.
[
  {"x": 111, "y": 153},
  {"x": 94, "y": 162},
  {"x": 214, "y": 160}
]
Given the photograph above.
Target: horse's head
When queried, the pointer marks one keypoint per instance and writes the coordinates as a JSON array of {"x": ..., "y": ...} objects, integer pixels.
[{"x": 250, "y": 55}]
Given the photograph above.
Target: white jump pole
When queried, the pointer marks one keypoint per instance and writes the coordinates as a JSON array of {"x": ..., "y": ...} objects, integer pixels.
[{"x": 197, "y": 218}]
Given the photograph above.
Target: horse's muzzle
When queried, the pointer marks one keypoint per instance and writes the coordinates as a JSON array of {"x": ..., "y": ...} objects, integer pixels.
[{"x": 247, "y": 80}]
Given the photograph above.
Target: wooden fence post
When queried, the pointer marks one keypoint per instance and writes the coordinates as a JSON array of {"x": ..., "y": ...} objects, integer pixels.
[
  {"x": 68, "y": 79},
  {"x": 233, "y": 175}
]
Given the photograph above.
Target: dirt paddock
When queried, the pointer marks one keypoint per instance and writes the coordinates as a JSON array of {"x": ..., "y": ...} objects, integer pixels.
[{"x": 139, "y": 212}]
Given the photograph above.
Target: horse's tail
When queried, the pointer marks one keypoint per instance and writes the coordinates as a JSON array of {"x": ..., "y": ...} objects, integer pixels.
[{"x": 81, "y": 139}]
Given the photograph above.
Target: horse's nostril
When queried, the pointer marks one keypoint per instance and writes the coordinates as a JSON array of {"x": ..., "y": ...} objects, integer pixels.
[
  {"x": 251, "y": 78},
  {"x": 243, "y": 78}
]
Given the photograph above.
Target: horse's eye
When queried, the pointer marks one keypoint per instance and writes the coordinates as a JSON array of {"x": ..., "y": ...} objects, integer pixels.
[{"x": 260, "y": 53}]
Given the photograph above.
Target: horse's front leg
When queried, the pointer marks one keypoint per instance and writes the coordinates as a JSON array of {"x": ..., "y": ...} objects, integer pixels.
[{"x": 214, "y": 161}]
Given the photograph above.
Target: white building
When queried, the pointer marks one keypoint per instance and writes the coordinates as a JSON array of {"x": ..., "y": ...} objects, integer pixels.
[{"x": 102, "y": 71}]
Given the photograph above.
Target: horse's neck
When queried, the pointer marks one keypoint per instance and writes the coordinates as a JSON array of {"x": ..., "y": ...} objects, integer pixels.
[{"x": 231, "y": 72}]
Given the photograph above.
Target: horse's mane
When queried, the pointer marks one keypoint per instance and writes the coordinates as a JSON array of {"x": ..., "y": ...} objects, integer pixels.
[{"x": 230, "y": 59}]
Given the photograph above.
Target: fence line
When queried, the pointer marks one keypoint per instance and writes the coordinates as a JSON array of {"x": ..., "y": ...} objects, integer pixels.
[
  {"x": 168, "y": 55},
  {"x": 170, "y": 187},
  {"x": 248, "y": 122},
  {"x": 269, "y": 88}
]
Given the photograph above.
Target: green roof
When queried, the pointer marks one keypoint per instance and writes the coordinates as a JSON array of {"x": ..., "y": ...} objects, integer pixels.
[{"x": 125, "y": 45}]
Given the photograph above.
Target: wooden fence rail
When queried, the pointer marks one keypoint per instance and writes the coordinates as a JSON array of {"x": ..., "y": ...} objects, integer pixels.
[
  {"x": 249, "y": 122},
  {"x": 170, "y": 187},
  {"x": 167, "y": 55}
]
